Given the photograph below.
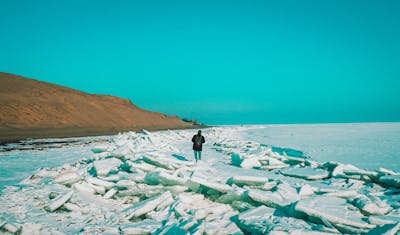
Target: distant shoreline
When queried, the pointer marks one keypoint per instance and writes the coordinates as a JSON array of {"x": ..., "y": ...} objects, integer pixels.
[
  {"x": 15, "y": 135},
  {"x": 10, "y": 135}
]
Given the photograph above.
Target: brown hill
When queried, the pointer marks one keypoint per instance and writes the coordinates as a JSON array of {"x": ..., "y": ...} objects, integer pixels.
[{"x": 32, "y": 109}]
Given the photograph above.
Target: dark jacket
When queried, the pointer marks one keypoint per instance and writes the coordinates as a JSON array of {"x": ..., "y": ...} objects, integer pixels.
[{"x": 198, "y": 141}]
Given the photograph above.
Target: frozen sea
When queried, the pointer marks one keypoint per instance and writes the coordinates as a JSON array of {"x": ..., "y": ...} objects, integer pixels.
[
  {"x": 20, "y": 160},
  {"x": 256, "y": 179},
  {"x": 365, "y": 145}
]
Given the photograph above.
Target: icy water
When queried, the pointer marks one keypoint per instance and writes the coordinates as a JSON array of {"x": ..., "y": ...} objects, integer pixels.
[{"x": 366, "y": 145}]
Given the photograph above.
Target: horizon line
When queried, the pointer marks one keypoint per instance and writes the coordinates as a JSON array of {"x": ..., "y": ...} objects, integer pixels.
[{"x": 304, "y": 123}]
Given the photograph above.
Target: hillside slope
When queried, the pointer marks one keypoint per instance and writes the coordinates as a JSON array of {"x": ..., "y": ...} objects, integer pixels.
[{"x": 31, "y": 109}]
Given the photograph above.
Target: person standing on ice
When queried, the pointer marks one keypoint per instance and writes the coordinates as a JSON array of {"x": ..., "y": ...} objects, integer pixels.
[{"x": 198, "y": 141}]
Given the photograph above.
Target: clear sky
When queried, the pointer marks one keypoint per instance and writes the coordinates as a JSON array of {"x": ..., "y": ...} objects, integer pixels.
[{"x": 221, "y": 62}]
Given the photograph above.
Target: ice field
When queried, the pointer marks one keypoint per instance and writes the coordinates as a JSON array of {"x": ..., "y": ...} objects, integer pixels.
[
  {"x": 247, "y": 183},
  {"x": 20, "y": 160},
  {"x": 366, "y": 145}
]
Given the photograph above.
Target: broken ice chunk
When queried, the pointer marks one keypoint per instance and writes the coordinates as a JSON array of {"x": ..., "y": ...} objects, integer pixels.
[
  {"x": 256, "y": 221},
  {"x": 99, "y": 182},
  {"x": 237, "y": 194},
  {"x": 164, "y": 179},
  {"x": 98, "y": 189},
  {"x": 245, "y": 161},
  {"x": 390, "y": 180},
  {"x": 250, "y": 162},
  {"x": 31, "y": 229},
  {"x": 387, "y": 171},
  {"x": 240, "y": 180},
  {"x": 11, "y": 228},
  {"x": 146, "y": 206},
  {"x": 306, "y": 191},
  {"x": 74, "y": 207},
  {"x": 333, "y": 210},
  {"x": 84, "y": 187},
  {"x": 383, "y": 219},
  {"x": 146, "y": 226},
  {"x": 124, "y": 185},
  {"x": 110, "y": 193},
  {"x": 159, "y": 162},
  {"x": 294, "y": 160},
  {"x": 105, "y": 166},
  {"x": 282, "y": 197},
  {"x": 67, "y": 178},
  {"x": 172, "y": 229},
  {"x": 111, "y": 178},
  {"x": 59, "y": 201},
  {"x": 307, "y": 173},
  {"x": 222, "y": 188},
  {"x": 387, "y": 229},
  {"x": 371, "y": 206}
]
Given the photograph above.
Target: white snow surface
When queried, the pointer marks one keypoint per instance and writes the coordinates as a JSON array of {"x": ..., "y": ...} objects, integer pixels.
[{"x": 148, "y": 183}]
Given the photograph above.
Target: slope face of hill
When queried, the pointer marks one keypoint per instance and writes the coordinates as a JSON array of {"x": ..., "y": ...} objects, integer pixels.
[{"x": 35, "y": 109}]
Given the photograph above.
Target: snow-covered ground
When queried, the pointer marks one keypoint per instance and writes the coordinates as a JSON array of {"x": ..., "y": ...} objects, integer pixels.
[{"x": 142, "y": 183}]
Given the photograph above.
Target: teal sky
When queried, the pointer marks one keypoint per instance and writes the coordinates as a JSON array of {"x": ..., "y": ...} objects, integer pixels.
[{"x": 221, "y": 62}]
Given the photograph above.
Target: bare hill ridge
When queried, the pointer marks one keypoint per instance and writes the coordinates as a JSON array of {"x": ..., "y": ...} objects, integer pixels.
[{"x": 32, "y": 109}]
